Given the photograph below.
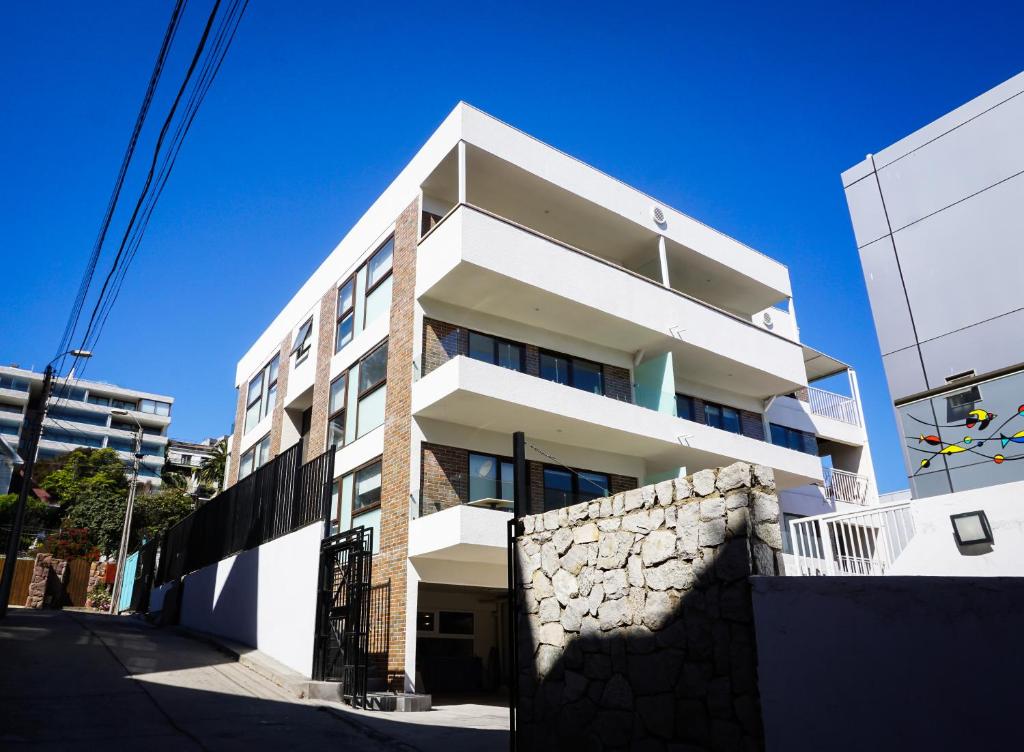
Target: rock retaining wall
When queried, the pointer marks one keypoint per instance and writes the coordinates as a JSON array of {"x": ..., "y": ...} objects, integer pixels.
[
  {"x": 49, "y": 578},
  {"x": 635, "y": 616}
]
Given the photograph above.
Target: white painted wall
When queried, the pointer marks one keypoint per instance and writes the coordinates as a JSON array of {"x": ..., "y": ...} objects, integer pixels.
[
  {"x": 264, "y": 597},
  {"x": 934, "y": 551}
]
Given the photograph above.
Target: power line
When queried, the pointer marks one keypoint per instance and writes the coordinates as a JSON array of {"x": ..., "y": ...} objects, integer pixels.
[
  {"x": 150, "y": 193},
  {"x": 154, "y": 79},
  {"x": 577, "y": 473}
]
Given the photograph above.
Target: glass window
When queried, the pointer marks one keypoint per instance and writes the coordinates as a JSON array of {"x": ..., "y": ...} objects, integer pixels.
[
  {"x": 379, "y": 265},
  {"x": 793, "y": 438},
  {"x": 481, "y": 347},
  {"x": 154, "y": 408},
  {"x": 123, "y": 405},
  {"x": 557, "y": 488},
  {"x": 587, "y": 376},
  {"x": 96, "y": 400},
  {"x": 378, "y": 302},
  {"x": 346, "y": 305},
  {"x": 554, "y": 368},
  {"x": 371, "y": 411},
  {"x": 591, "y": 486},
  {"x": 303, "y": 341},
  {"x": 373, "y": 369},
  {"x": 483, "y": 477},
  {"x": 719, "y": 416},
  {"x": 245, "y": 464},
  {"x": 684, "y": 407},
  {"x": 336, "y": 425},
  {"x": 367, "y": 490},
  {"x": 261, "y": 394},
  {"x": 500, "y": 352}
]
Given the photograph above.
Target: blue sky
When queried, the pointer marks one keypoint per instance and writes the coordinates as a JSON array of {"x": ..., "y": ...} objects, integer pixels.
[{"x": 742, "y": 115}]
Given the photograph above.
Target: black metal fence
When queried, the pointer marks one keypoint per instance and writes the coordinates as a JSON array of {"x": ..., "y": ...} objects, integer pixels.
[
  {"x": 278, "y": 498},
  {"x": 145, "y": 571}
]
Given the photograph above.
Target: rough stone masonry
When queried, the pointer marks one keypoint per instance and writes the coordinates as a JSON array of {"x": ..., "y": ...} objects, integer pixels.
[{"x": 635, "y": 616}]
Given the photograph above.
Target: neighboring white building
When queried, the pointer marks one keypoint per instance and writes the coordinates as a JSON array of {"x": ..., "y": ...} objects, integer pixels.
[
  {"x": 79, "y": 414},
  {"x": 500, "y": 285},
  {"x": 186, "y": 457}
]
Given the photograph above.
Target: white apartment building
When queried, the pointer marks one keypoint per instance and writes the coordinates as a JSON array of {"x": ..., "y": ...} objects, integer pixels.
[
  {"x": 80, "y": 413},
  {"x": 500, "y": 285}
]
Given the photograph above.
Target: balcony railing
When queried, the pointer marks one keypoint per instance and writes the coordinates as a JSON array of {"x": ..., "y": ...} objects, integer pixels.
[
  {"x": 852, "y": 543},
  {"x": 841, "y": 485},
  {"x": 831, "y": 405}
]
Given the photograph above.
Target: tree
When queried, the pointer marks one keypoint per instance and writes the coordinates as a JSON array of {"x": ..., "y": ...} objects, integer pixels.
[
  {"x": 37, "y": 513},
  {"x": 92, "y": 489},
  {"x": 157, "y": 511},
  {"x": 211, "y": 472}
]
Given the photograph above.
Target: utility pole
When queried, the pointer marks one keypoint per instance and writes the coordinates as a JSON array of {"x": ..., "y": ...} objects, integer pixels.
[
  {"x": 33, "y": 429},
  {"x": 126, "y": 530}
]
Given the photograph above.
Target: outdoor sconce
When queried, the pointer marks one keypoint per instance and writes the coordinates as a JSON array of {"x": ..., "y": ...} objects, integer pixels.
[{"x": 971, "y": 527}]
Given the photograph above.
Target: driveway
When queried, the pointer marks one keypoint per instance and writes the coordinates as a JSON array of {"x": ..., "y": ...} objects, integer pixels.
[{"x": 78, "y": 680}]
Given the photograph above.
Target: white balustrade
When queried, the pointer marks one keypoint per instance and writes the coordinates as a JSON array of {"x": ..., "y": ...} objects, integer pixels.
[
  {"x": 851, "y": 543},
  {"x": 832, "y": 405},
  {"x": 841, "y": 485}
]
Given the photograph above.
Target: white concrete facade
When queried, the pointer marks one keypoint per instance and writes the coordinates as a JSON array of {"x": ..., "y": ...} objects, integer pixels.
[
  {"x": 528, "y": 244},
  {"x": 78, "y": 414}
]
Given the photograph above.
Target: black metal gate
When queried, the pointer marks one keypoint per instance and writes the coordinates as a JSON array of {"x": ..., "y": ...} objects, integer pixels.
[{"x": 341, "y": 650}]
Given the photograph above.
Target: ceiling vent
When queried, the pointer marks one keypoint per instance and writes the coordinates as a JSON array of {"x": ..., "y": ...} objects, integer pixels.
[{"x": 657, "y": 215}]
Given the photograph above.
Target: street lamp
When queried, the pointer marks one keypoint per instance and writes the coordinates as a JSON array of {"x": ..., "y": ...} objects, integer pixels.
[
  {"x": 126, "y": 529},
  {"x": 35, "y": 414}
]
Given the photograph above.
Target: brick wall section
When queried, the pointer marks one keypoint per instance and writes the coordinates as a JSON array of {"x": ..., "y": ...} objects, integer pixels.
[
  {"x": 802, "y": 394},
  {"x": 444, "y": 478},
  {"x": 316, "y": 442},
  {"x": 277, "y": 418},
  {"x": 617, "y": 383},
  {"x": 236, "y": 439},
  {"x": 753, "y": 425},
  {"x": 533, "y": 360},
  {"x": 442, "y": 342},
  {"x": 620, "y": 483},
  {"x": 535, "y": 472},
  {"x": 390, "y": 563}
]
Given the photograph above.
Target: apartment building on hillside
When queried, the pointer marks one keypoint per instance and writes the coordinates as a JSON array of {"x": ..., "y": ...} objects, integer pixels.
[
  {"x": 91, "y": 414},
  {"x": 938, "y": 223},
  {"x": 500, "y": 285}
]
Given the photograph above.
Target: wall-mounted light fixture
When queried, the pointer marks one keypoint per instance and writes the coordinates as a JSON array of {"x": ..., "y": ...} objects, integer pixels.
[{"x": 971, "y": 527}]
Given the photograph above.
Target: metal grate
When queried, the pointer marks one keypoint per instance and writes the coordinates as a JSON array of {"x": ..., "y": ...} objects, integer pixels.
[{"x": 280, "y": 497}]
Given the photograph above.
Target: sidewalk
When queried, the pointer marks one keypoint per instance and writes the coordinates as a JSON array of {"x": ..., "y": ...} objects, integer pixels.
[{"x": 76, "y": 680}]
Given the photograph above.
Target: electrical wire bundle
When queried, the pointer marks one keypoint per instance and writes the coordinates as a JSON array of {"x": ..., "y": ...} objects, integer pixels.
[{"x": 211, "y": 49}]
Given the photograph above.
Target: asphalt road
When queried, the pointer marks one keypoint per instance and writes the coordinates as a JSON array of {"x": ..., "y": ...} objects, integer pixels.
[{"x": 82, "y": 681}]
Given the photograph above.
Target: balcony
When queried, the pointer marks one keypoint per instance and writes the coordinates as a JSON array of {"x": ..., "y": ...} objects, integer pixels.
[
  {"x": 833, "y": 406},
  {"x": 479, "y": 261},
  {"x": 850, "y": 543},
  {"x": 844, "y": 486},
  {"x": 473, "y": 393},
  {"x": 461, "y": 545}
]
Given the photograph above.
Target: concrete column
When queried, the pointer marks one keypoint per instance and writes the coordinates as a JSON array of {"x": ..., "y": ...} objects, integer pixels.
[
  {"x": 462, "y": 172},
  {"x": 663, "y": 261}
]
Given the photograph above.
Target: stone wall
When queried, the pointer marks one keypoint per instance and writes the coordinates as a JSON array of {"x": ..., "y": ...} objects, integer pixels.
[
  {"x": 48, "y": 581},
  {"x": 635, "y": 628}
]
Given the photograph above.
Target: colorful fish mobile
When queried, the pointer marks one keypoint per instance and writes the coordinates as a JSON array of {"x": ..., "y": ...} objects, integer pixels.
[
  {"x": 1017, "y": 438},
  {"x": 977, "y": 420}
]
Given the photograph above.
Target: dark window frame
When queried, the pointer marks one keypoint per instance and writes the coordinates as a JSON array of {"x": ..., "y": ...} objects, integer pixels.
[
  {"x": 377, "y": 384},
  {"x": 574, "y": 474},
  {"x": 302, "y": 344},
  {"x": 499, "y": 460},
  {"x": 723, "y": 408},
  {"x": 369, "y": 288},
  {"x": 378, "y": 460},
  {"x": 789, "y": 433},
  {"x": 342, "y": 314},
  {"x": 541, "y": 352},
  {"x": 341, "y": 411},
  {"x": 267, "y": 383},
  {"x": 252, "y": 450},
  {"x": 496, "y": 340},
  {"x": 688, "y": 399}
]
